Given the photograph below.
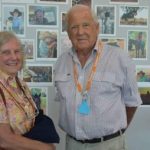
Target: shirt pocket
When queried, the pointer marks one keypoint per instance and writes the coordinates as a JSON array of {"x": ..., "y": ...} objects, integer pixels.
[
  {"x": 64, "y": 85},
  {"x": 106, "y": 82}
]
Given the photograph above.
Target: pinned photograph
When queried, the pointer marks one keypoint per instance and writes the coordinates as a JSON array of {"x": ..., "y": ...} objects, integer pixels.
[
  {"x": 124, "y": 1},
  {"x": 47, "y": 44},
  {"x": 28, "y": 49},
  {"x": 53, "y": 1},
  {"x": 41, "y": 74},
  {"x": 83, "y": 2},
  {"x": 40, "y": 97},
  {"x": 137, "y": 44},
  {"x": 63, "y": 23},
  {"x": 18, "y": 1},
  {"x": 133, "y": 16},
  {"x": 143, "y": 74},
  {"x": 106, "y": 17},
  {"x": 13, "y": 19},
  {"x": 145, "y": 95},
  {"x": 118, "y": 42},
  {"x": 42, "y": 15}
]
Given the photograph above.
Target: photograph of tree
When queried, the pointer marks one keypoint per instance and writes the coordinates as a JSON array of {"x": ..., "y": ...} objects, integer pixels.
[{"x": 133, "y": 16}]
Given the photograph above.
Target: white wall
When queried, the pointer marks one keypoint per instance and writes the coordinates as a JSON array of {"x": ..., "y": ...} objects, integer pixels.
[{"x": 138, "y": 133}]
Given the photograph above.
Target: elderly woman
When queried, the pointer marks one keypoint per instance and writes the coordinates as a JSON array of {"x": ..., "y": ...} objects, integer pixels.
[{"x": 17, "y": 108}]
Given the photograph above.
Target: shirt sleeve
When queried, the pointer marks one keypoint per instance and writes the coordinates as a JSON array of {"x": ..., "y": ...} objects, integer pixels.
[
  {"x": 130, "y": 92},
  {"x": 3, "y": 112}
]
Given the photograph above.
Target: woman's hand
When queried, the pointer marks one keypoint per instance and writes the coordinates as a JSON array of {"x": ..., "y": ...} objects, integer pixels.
[{"x": 11, "y": 141}]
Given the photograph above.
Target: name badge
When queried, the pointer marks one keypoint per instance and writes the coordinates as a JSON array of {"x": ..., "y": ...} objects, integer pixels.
[{"x": 84, "y": 108}]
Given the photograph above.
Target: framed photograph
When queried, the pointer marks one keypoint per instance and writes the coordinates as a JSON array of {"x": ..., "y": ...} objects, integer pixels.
[
  {"x": 83, "y": 2},
  {"x": 143, "y": 74},
  {"x": 124, "y": 1},
  {"x": 133, "y": 16},
  {"x": 47, "y": 44},
  {"x": 38, "y": 73},
  {"x": 18, "y": 1},
  {"x": 65, "y": 43},
  {"x": 137, "y": 44},
  {"x": 28, "y": 49},
  {"x": 0, "y": 26},
  {"x": 63, "y": 23},
  {"x": 13, "y": 19},
  {"x": 1, "y": 11},
  {"x": 118, "y": 42},
  {"x": 42, "y": 15},
  {"x": 53, "y": 1},
  {"x": 145, "y": 95},
  {"x": 107, "y": 19},
  {"x": 40, "y": 97}
]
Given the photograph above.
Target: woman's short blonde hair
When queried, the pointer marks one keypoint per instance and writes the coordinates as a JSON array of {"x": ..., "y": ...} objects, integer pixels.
[{"x": 6, "y": 36}]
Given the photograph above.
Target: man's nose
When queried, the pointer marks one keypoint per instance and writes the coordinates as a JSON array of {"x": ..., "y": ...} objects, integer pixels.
[{"x": 80, "y": 30}]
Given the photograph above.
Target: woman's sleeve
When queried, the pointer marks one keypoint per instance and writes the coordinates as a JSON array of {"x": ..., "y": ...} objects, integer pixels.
[{"x": 3, "y": 111}]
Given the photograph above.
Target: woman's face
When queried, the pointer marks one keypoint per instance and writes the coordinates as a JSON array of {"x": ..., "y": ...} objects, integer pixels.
[{"x": 11, "y": 57}]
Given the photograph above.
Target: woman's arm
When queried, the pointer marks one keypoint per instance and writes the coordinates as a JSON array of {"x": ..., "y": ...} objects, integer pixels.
[{"x": 11, "y": 141}]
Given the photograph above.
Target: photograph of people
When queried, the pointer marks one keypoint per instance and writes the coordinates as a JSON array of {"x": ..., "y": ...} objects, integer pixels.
[
  {"x": 13, "y": 19},
  {"x": 42, "y": 15},
  {"x": 106, "y": 16},
  {"x": 47, "y": 44}
]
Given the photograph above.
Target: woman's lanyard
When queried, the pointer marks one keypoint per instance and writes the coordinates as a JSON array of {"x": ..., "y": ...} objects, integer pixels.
[{"x": 84, "y": 108}]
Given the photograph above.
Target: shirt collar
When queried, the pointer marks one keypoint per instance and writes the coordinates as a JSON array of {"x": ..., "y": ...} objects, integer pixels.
[{"x": 6, "y": 77}]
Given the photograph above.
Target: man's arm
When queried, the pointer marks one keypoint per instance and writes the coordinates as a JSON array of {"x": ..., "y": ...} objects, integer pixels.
[{"x": 130, "y": 113}]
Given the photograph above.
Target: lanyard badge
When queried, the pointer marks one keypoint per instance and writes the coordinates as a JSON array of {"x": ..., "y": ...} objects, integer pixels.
[{"x": 84, "y": 107}]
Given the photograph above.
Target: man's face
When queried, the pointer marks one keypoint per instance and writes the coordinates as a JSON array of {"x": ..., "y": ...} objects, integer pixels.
[
  {"x": 39, "y": 14},
  {"x": 82, "y": 30},
  {"x": 11, "y": 57}
]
